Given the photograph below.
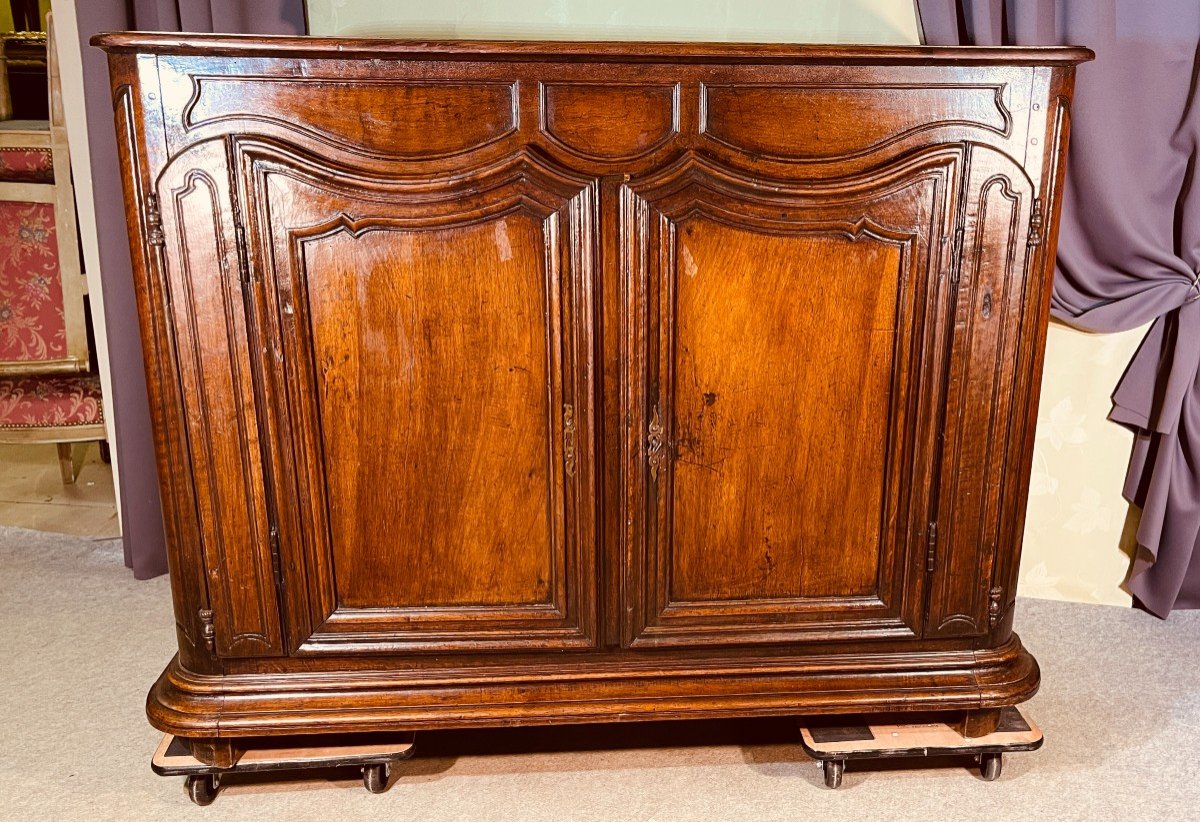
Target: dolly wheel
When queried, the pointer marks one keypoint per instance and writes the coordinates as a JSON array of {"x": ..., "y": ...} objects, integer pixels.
[
  {"x": 375, "y": 778},
  {"x": 832, "y": 769},
  {"x": 990, "y": 765},
  {"x": 202, "y": 788}
]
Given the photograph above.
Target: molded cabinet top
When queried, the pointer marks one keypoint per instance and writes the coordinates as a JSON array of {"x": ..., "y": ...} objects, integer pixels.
[{"x": 227, "y": 45}]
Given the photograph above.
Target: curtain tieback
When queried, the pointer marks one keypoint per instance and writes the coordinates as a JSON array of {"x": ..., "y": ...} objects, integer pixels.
[{"x": 1195, "y": 287}]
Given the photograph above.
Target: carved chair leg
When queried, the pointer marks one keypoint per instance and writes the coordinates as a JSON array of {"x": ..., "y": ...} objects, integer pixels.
[
  {"x": 66, "y": 462},
  {"x": 973, "y": 724},
  {"x": 220, "y": 753}
]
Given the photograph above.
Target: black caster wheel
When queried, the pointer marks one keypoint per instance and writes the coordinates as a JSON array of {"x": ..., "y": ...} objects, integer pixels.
[
  {"x": 833, "y": 768},
  {"x": 202, "y": 788},
  {"x": 990, "y": 765},
  {"x": 375, "y": 778}
]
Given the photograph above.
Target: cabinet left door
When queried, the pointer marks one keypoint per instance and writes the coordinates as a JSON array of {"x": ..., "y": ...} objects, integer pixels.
[
  {"x": 191, "y": 220},
  {"x": 425, "y": 342}
]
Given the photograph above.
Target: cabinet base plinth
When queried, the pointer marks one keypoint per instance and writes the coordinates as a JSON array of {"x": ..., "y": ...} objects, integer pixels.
[{"x": 344, "y": 701}]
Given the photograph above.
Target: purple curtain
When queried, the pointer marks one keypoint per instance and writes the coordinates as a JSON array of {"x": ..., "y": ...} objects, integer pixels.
[
  {"x": 141, "y": 514},
  {"x": 1129, "y": 249}
]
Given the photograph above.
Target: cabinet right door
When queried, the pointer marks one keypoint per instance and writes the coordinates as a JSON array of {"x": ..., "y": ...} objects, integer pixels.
[
  {"x": 787, "y": 345},
  {"x": 989, "y": 374}
]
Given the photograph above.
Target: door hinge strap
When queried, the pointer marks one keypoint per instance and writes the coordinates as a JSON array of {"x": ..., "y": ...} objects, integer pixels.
[{"x": 931, "y": 547}]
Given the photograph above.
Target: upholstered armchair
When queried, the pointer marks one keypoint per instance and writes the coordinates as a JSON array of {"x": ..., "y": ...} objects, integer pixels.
[{"x": 48, "y": 391}]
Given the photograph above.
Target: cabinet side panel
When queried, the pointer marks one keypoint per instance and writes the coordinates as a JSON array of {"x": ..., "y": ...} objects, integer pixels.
[
  {"x": 139, "y": 148},
  {"x": 981, "y": 399},
  {"x": 1050, "y": 123}
]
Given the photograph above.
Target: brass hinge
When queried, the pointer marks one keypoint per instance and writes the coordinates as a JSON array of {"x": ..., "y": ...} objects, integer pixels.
[
  {"x": 654, "y": 444},
  {"x": 154, "y": 230},
  {"x": 931, "y": 547},
  {"x": 994, "y": 606},
  {"x": 207, "y": 631},
  {"x": 956, "y": 250},
  {"x": 273, "y": 536},
  {"x": 1035, "y": 222},
  {"x": 569, "y": 439}
]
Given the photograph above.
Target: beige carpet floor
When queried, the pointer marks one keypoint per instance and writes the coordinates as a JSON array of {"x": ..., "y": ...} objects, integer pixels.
[{"x": 80, "y": 641}]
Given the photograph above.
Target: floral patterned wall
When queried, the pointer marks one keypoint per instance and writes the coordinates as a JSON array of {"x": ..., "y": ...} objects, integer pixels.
[{"x": 1077, "y": 530}]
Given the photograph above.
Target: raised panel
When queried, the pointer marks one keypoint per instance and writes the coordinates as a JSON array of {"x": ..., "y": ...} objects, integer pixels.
[
  {"x": 435, "y": 352},
  {"x": 390, "y": 117},
  {"x": 783, "y": 348},
  {"x": 208, "y": 315},
  {"x": 779, "y": 475},
  {"x": 435, "y": 414},
  {"x": 981, "y": 406},
  {"x": 610, "y": 121},
  {"x": 814, "y": 122}
]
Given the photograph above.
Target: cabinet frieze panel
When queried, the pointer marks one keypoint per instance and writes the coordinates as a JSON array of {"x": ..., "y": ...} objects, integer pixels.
[
  {"x": 821, "y": 122},
  {"x": 609, "y": 122},
  {"x": 390, "y": 118}
]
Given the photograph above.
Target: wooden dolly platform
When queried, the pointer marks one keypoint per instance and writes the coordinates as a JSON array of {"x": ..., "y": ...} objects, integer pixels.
[
  {"x": 833, "y": 745},
  {"x": 374, "y": 754}
]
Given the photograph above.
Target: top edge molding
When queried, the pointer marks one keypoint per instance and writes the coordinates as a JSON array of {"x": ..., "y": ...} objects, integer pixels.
[{"x": 235, "y": 45}]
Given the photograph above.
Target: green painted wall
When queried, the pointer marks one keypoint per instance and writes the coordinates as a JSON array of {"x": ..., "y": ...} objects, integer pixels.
[{"x": 802, "y": 21}]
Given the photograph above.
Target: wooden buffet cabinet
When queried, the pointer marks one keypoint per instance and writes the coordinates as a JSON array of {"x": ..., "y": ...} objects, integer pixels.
[{"x": 518, "y": 383}]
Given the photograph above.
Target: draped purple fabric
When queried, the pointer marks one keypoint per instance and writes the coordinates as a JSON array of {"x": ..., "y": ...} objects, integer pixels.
[
  {"x": 141, "y": 513},
  {"x": 1129, "y": 249}
]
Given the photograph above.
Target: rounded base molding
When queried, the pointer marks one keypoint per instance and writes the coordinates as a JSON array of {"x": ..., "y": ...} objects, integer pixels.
[{"x": 350, "y": 701}]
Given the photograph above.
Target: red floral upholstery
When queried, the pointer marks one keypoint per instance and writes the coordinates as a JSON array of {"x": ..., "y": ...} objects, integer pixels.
[
  {"x": 34, "y": 402},
  {"x": 32, "y": 324},
  {"x": 26, "y": 165}
]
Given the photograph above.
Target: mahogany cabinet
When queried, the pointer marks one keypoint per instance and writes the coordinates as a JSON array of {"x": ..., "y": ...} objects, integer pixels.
[{"x": 518, "y": 383}]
